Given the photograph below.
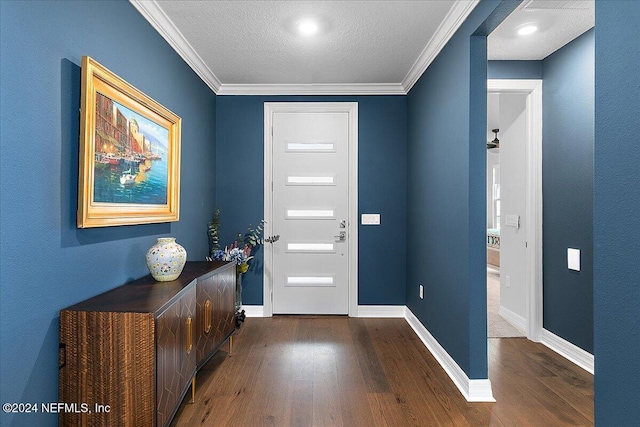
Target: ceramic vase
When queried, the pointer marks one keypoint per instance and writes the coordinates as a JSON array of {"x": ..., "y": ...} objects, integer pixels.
[{"x": 166, "y": 259}]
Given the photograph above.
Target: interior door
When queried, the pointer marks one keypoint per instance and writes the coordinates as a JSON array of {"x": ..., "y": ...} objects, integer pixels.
[{"x": 310, "y": 211}]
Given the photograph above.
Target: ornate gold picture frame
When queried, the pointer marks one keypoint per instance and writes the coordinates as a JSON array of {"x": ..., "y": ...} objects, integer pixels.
[{"x": 129, "y": 154}]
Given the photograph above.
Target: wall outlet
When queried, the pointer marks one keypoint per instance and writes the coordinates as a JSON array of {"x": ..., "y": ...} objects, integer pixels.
[
  {"x": 421, "y": 291},
  {"x": 507, "y": 281}
]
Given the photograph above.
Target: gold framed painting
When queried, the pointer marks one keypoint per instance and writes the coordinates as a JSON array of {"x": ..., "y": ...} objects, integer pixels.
[{"x": 129, "y": 154}]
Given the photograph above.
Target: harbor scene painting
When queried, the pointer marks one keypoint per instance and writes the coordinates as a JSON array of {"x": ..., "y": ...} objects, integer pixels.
[
  {"x": 130, "y": 156},
  {"x": 129, "y": 165}
]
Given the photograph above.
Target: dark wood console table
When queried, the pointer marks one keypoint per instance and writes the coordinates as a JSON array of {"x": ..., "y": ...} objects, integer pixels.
[{"x": 129, "y": 355}]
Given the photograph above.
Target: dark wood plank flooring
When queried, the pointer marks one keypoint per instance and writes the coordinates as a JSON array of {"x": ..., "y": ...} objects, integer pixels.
[{"x": 340, "y": 371}]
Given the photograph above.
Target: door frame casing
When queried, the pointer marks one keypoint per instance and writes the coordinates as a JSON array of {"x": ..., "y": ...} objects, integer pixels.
[
  {"x": 534, "y": 302},
  {"x": 351, "y": 108}
]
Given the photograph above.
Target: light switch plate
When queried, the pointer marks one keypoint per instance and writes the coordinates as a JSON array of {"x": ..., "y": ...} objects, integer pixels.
[
  {"x": 512, "y": 221},
  {"x": 573, "y": 259},
  {"x": 370, "y": 219}
]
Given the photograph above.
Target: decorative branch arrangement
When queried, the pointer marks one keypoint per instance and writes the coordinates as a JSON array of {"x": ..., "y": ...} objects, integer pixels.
[{"x": 240, "y": 250}]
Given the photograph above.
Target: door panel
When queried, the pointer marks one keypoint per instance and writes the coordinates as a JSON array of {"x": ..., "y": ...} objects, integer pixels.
[{"x": 310, "y": 208}]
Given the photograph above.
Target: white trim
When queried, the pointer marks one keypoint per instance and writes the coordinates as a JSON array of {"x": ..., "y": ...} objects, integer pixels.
[
  {"x": 534, "y": 197},
  {"x": 353, "y": 208},
  {"x": 472, "y": 390},
  {"x": 352, "y": 227},
  {"x": 517, "y": 321},
  {"x": 313, "y": 89},
  {"x": 564, "y": 348},
  {"x": 448, "y": 27},
  {"x": 253, "y": 310},
  {"x": 159, "y": 20},
  {"x": 267, "y": 278},
  {"x": 382, "y": 311}
]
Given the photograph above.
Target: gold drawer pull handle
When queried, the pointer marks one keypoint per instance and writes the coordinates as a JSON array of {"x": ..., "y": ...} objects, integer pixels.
[
  {"x": 189, "y": 335},
  {"x": 207, "y": 316}
]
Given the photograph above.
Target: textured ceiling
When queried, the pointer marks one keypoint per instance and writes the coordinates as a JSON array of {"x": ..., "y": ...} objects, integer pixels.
[
  {"x": 558, "y": 23},
  {"x": 363, "y": 47},
  {"x": 359, "y": 41}
]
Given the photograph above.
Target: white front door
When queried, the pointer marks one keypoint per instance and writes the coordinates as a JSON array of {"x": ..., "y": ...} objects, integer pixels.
[{"x": 310, "y": 210}]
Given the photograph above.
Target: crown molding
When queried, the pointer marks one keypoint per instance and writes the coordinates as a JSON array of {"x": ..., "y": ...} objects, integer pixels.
[
  {"x": 159, "y": 20},
  {"x": 448, "y": 27},
  {"x": 312, "y": 89}
]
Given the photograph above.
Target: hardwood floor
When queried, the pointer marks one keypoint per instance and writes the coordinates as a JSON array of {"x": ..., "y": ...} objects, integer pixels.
[
  {"x": 497, "y": 326},
  {"x": 340, "y": 371}
]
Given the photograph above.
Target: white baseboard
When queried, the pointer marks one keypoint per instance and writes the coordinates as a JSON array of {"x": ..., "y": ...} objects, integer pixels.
[
  {"x": 253, "y": 310},
  {"x": 517, "y": 321},
  {"x": 472, "y": 390},
  {"x": 570, "y": 351},
  {"x": 380, "y": 311}
]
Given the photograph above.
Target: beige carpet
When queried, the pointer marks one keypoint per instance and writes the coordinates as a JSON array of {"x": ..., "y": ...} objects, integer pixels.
[{"x": 497, "y": 327}]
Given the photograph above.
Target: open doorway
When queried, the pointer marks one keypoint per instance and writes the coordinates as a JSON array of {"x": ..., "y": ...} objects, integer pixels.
[
  {"x": 512, "y": 175},
  {"x": 531, "y": 44}
]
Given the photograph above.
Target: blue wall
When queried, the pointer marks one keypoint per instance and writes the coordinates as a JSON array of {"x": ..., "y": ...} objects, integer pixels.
[
  {"x": 616, "y": 206},
  {"x": 567, "y": 175},
  {"x": 514, "y": 69},
  {"x": 446, "y": 213},
  {"x": 382, "y": 136},
  {"x": 567, "y": 187},
  {"x": 46, "y": 262}
]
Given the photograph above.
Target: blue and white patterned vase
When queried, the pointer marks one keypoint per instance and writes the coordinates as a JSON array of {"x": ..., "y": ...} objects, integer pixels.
[{"x": 166, "y": 259}]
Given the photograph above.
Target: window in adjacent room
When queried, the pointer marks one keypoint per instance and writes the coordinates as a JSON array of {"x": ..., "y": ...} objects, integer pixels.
[{"x": 496, "y": 196}]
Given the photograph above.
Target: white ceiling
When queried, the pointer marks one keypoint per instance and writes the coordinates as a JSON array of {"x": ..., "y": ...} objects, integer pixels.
[
  {"x": 558, "y": 22},
  {"x": 363, "y": 47}
]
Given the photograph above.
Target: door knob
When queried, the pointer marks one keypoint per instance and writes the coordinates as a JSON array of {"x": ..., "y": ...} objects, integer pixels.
[{"x": 342, "y": 236}]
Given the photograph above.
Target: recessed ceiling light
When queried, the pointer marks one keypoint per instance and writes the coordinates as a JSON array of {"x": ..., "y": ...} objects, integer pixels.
[
  {"x": 307, "y": 27},
  {"x": 527, "y": 29}
]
